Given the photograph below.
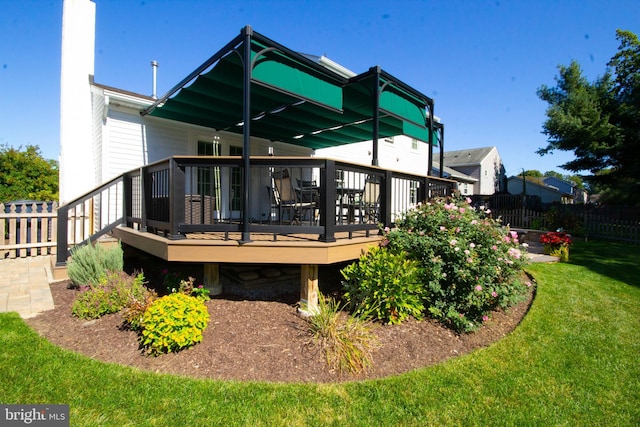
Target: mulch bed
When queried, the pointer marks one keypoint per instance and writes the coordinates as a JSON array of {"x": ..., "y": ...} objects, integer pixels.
[{"x": 263, "y": 340}]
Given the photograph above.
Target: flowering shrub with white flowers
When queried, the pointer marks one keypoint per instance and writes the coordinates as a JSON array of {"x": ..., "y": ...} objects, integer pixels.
[{"x": 470, "y": 263}]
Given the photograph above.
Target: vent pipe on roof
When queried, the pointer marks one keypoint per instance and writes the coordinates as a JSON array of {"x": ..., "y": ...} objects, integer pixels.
[{"x": 154, "y": 66}]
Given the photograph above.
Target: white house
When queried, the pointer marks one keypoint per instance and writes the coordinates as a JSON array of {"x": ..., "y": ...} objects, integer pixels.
[
  {"x": 465, "y": 182},
  {"x": 398, "y": 152},
  {"x": 103, "y": 132}
]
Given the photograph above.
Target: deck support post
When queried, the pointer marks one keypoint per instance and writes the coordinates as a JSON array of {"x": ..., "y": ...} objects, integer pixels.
[
  {"x": 308, "y": 289},
  {"x": 212, "y": 278}
]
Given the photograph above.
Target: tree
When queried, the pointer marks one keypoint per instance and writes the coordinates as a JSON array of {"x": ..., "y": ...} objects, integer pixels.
[
  {"x": 554, "y": 174},
  {"x": 534, "y": 173},
  {"x": 600, "y": 122},
  {"x": 27, "y": 175}
]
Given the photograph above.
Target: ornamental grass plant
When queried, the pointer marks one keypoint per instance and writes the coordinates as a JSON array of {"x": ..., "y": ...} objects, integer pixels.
[{"x": 347, "y": 341}]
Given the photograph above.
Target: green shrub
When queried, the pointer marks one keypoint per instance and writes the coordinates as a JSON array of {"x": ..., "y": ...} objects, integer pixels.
[
  {"x": 563, "y": 218},
  {"x": 171, "y": 281},
  {"x": 384, "y": 285},
  {"x": 174, "y": 282},
  {"x": 346, "y": 341},
  {"x": 173, "y": 322},
  {"x": 90, "y": 263},
  {"x": 470, "y": 263},
  {"x": 92, "y": 304},
  {"x": 110, "y": 295}
]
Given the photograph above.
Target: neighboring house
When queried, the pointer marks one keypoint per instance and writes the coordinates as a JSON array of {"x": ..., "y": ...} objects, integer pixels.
[
  {"x": 532, "y": 186},
  {"x": 578, "y": 195},
  {"x": 482, "y": 164},
  {"x": 465, "y": 182}
]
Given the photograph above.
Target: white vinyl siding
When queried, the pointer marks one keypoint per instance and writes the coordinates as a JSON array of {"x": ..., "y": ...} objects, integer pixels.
[
  {"x": 399, "y": 155},
  {"x": 97, "y": 101}
]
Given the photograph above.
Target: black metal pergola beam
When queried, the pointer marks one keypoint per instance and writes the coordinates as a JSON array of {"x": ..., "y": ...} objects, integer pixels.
[
  {"x": 338, "y": 79},
  {"x": 229, "y": 47}
]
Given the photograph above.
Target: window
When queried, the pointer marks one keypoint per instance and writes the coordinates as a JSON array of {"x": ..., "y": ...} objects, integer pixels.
[
  {"x": 208, "y": 180},
  {"x": 205, "y": 148},
  {"x": 413, "y": 192},
  {"x": 205, "y": 175},
  {"x": 236, "y": 181},
  {"x": 414, "y": 144}
]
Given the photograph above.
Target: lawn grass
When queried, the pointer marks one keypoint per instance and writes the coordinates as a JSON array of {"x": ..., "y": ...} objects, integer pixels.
[{"x": 572, "y": 361}]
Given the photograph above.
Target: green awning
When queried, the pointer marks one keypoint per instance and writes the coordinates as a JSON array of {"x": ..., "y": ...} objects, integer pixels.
[{"x": 293, "y": 99}]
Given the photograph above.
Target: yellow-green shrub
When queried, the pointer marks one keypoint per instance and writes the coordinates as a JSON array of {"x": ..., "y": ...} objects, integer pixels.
[{"x": 173, "y": 322}]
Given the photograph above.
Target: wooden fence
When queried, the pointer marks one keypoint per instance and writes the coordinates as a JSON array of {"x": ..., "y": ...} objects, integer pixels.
[
  {"x": 521, "y": 218},
  {"x": 28, "y": 229},
  {"x": 625, "y": 230},
  {"x": 590, "y": 225}
]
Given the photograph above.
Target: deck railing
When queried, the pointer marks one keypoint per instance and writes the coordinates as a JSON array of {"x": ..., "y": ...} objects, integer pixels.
[
  {"x": 289, "y": 195},
  {"x": 90, "y": 217}
]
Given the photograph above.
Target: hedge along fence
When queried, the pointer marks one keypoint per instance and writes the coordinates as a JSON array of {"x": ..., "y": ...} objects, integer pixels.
[{"x": 28, "y": 229}]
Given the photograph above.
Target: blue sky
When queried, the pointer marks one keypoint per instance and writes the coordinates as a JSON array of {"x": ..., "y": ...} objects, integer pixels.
[{"x": 482, "y": 61}]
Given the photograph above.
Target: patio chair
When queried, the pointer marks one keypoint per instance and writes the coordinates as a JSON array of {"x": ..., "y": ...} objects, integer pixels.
[
  {"x": 309, "y": 190},
  {"x": 288, "y": 201},
  {"x": 369, "y": 204}
]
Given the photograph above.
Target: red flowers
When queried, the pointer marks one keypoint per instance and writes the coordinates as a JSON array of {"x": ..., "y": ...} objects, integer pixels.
[{"x": 555, "y": 238}]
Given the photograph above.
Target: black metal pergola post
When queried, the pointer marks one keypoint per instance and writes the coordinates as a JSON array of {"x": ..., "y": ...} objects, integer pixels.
[
  {"x": 246, "y": 134},
  {"x": 430, "y": 142},
  {"x": 375, "y": 134},
  {"x": 440, "y": 127}
]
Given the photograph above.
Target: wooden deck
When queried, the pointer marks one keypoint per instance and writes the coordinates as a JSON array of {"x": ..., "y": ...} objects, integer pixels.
[
  {"x": 214, "y": 249},
  {"x": 302, "y": 249},
  {"x": 180, "y": 227}
]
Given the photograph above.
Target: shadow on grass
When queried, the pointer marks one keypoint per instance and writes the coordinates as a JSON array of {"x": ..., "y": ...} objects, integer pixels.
[{"x": 618, "y": 261}]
